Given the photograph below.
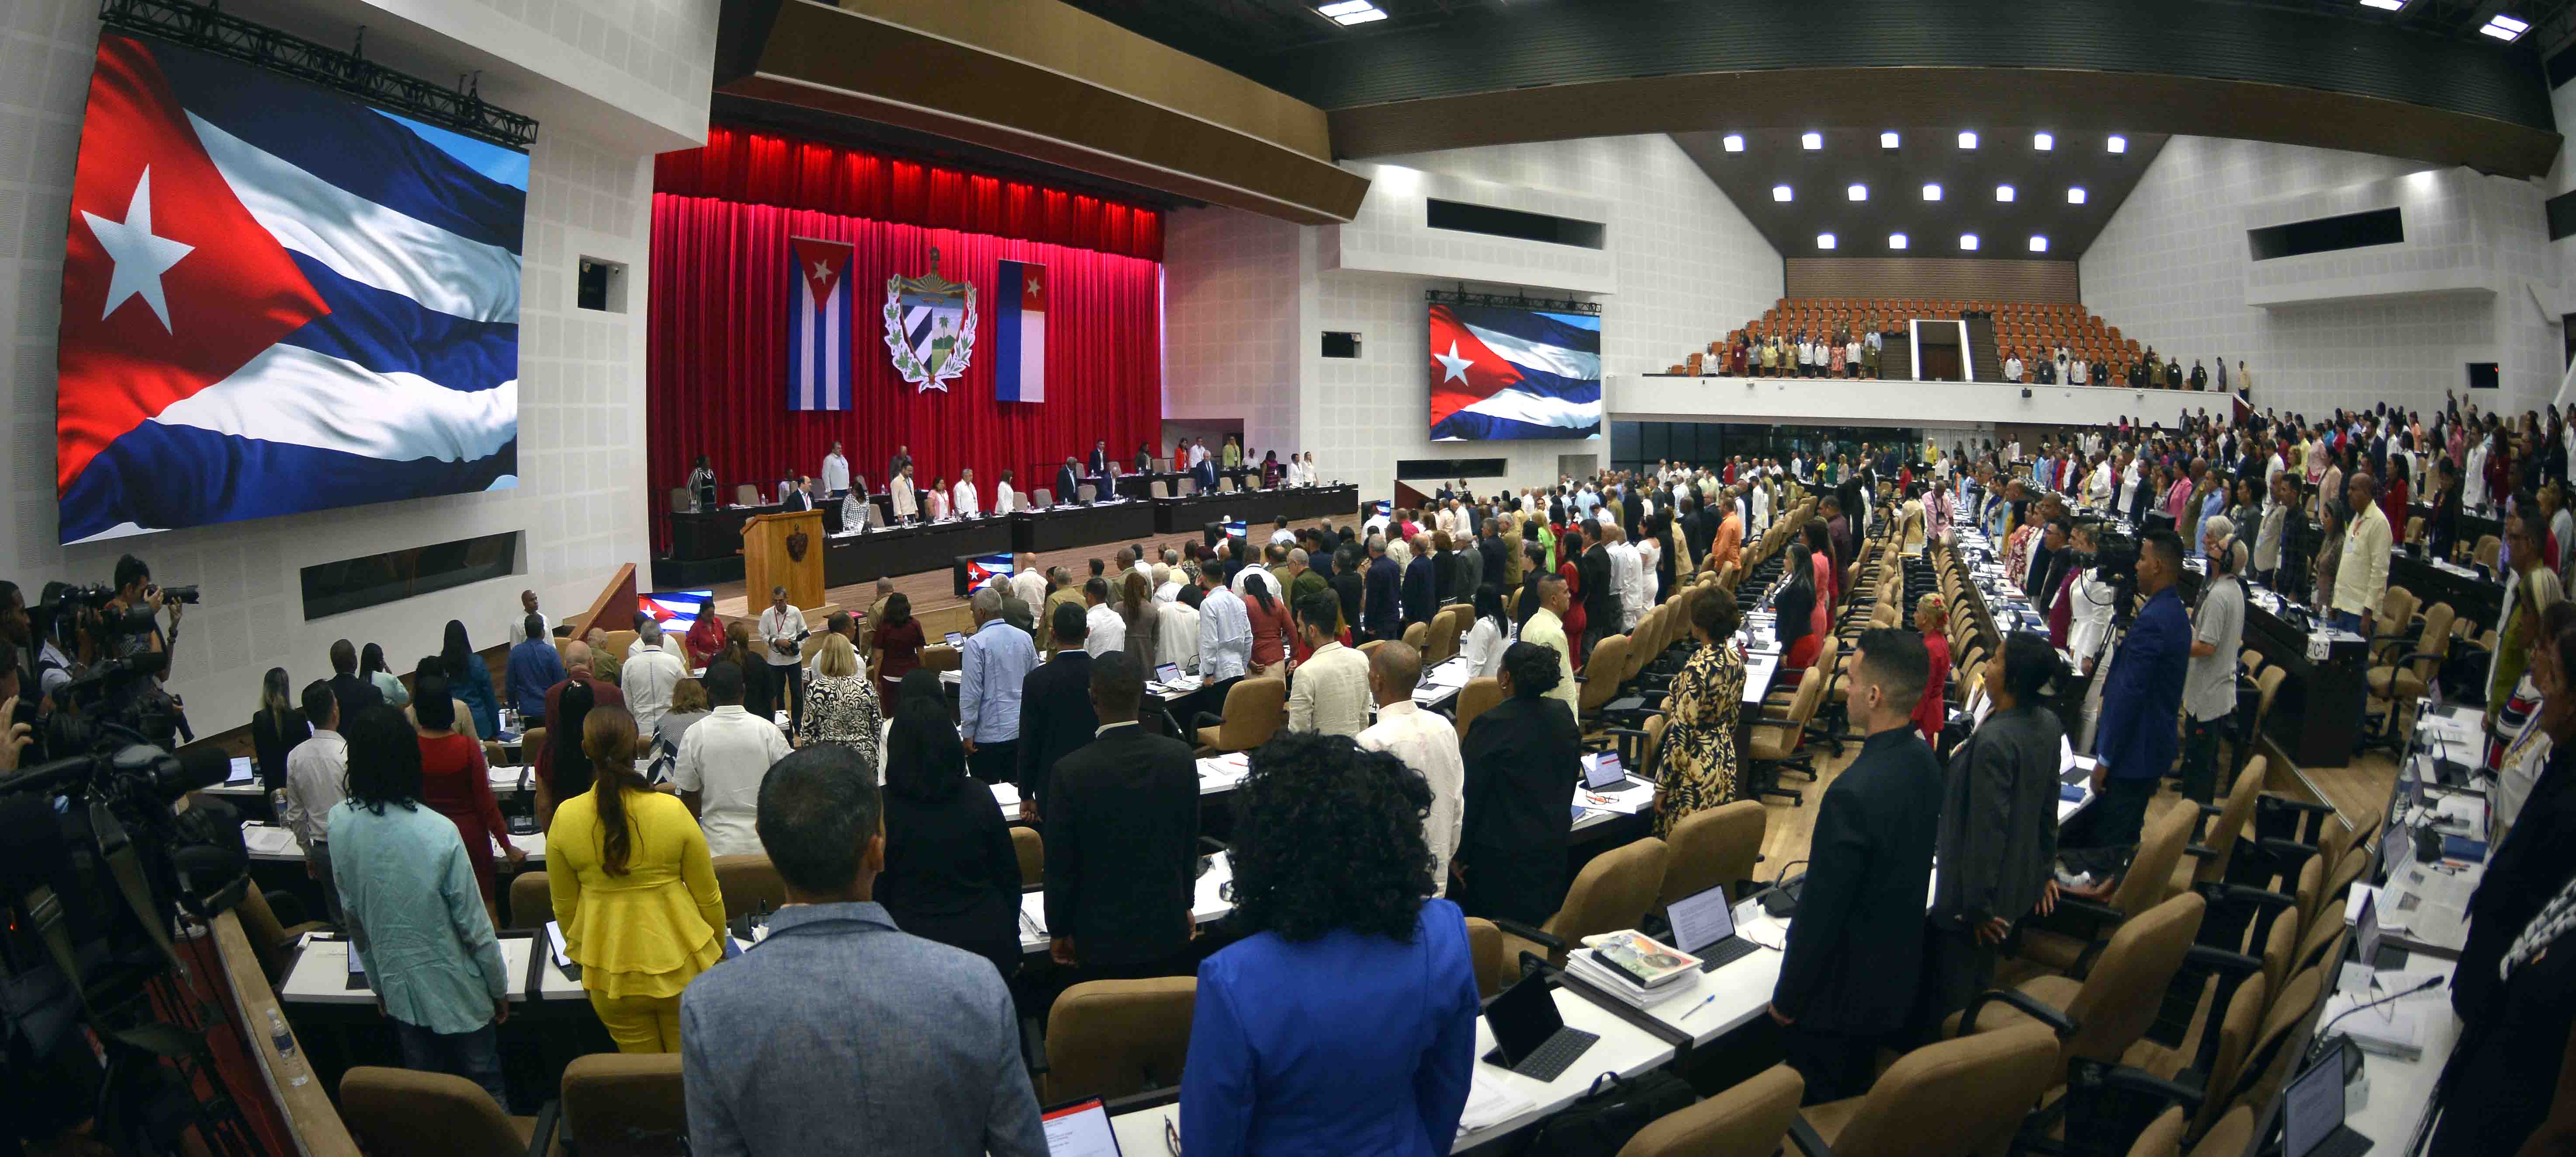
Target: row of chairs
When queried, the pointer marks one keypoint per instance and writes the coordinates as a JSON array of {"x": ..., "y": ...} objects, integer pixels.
[{"x": 684, "y": 501}]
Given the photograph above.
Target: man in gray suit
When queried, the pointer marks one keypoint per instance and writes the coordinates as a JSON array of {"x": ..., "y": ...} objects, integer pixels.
[{"x": 839, "y": 1025}]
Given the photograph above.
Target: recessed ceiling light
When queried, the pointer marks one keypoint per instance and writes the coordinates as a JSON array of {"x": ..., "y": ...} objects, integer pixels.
[
  {"x": 1811, "y": 141},
  {"x": 1735, "y": 142},
  {"x": 1896, "y": 241},
  {"x": 1345, "y": 7},
  {"x": 2038, "y": 244},
  {"x": 1932, "y": 192},
  {"x": 1365, "y": 14},
  {"x": 1968, "y": 241},
  {"x": 1780, "y": 192},
  {"x": 2042, "y": 141},
  {"x": 2384, "y": 5},
  {"x": 1967, "y": 139},
  {"x": 2003, "y": 192},
  {"x": 1824, "y": 240},
  {"x": 1857, "y": 193},
  {"x": 1888, "y": 139},
  {"x": 2116, "y": 144},
  {"x": 2075, "y": 194},
  {"x": 2506, "y": 28}
]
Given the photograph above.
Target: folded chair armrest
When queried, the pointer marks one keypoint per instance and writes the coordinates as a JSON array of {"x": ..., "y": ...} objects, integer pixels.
[
  {"x": 2199, "y": 851},
  {"x": 2291, "y": 851},
  {"x": 2126, "y": 1078},
  {"x": 2267, "y": 799},
  {"x": 549, "y": 1116},
  {"x": 2211, "y": 811},
  {"x": 2221, "y": 893},
  {"x": 1808, "y": 1140},
  {"x": 2029, "y": 1005},
  {"x": 1547, "y": 940},
  {"x": 2222, "y": 960}
]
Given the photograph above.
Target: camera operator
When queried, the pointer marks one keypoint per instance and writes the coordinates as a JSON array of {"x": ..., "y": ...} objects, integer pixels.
[{"x": 132, "y": 618}]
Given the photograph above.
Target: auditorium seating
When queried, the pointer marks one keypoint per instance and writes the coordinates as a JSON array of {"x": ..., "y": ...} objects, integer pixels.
[
  {"x": 2032, "y": 329},
  {"x": 1112, "y": 1038},
  {"x": 403, "y": 1113},
  {"x": 624, "y": 1105}
]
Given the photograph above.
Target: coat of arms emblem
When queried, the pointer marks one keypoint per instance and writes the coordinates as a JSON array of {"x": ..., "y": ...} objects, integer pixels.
[
  {"x": 797, "y": 541},
  {"x": 930, "y": 326}
]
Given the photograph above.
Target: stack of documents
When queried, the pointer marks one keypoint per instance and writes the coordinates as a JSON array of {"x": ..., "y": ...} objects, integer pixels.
[
  {"x": 1224, "y": 771},
  {"x": 1628, "y": 799},
  {"x": 1008, "y": 796},
  {"x": 1489, "y": 1104},
  {"x": 268, "y": 840},
  {"x": 1033, "y": 914},
  {"x": 1628, "y": 992},
  {"x": 2394, "y": 1029},
  {"x": 1210, "y": 903}
]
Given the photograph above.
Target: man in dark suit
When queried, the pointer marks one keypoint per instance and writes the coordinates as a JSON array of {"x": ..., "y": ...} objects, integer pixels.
[
  {"x": 1492, "y": 548},
  {"x": 1100, "y": 458},
  {"x": 801, "y": 498},
  {"x": 1056, "y": 719},
  {"x": 1421, "y": 589},
  {"x": 902, "y": 458},
  {"x": 1122, "y": 841},
  {"x": 1379, "y": 611},
  {"x": 1699, "y": 527},
  {"x": 354, "y": 691},
  {"x": 1068, "y": 482},
  {"x": 1847, "y": 978},
  {"x": 1600, "y": 592}
]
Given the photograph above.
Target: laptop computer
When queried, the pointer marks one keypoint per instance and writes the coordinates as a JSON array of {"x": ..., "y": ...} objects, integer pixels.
[
  {"x": 2367, "y": 940},
  {"x": 1530, "y": 1037},
  {"x": 1167, "y": 673},
  {"x": 1704, "y": 926},
  {"x": 1601, "y": 772},
  {"x": 2312, "y": 1113},
  {"x": 956, "y": 639}
]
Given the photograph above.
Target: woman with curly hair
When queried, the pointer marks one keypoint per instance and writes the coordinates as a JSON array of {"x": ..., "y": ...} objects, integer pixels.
[
  {"x": 1522, "y": 757},
  {"x": 1698, "y": 752},
  {"x": 1330, "y": 877}
]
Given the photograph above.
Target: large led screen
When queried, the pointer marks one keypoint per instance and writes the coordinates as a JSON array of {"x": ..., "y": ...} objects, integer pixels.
[
  {"x": 276, "y": 299},
  {"x": 1499, "y": 372}
]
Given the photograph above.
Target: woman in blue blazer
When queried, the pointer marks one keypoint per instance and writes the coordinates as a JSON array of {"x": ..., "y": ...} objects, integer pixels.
[{"x": 1345, "y": 1022}]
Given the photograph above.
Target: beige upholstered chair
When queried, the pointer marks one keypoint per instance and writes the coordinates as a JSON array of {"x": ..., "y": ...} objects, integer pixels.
[
  {"x": 1714, "y": 846},
  {"x": 532, "y": 904},
  {"x": 1030, "y": 847},
  {"x": 1612, "y": 892},
  {"x": 748, "y": 883},
  {"x": 1747, "y": 1120},
  {"x": 1255, "y": 710},
  {"x": 625, "y": 1105},
  {"x": 1111, "y": 1038},
  {"x": 403, "y": 1113},
  {"x": 1949, "y": 1099}
]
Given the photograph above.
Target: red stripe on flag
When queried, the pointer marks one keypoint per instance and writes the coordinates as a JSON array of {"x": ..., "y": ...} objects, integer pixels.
[
  {"x": 232, "y": 295},
  {"x": 1463, "y": 370}
]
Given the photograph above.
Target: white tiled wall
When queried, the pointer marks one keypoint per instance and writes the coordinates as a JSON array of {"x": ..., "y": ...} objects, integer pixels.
[
  {"x": 1392, "y": 233},
  {"x": 581, "y": 499},
  {"x": 1246, "y": 302},
  {"x": 2173, "y": 269}
]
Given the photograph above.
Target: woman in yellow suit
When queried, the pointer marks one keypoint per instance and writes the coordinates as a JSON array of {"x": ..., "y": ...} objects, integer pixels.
[{"x": 634, "y": 891}]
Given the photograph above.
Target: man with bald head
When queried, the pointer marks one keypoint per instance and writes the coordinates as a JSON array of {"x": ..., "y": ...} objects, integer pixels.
[
  {"x": 1428, "y": 745},
  {"x": 517, "y": 631},
  {"x": 2361, "y": 578}
]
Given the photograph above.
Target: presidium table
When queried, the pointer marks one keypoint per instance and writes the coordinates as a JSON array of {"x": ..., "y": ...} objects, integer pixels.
[{"x": 706, "y": 545}]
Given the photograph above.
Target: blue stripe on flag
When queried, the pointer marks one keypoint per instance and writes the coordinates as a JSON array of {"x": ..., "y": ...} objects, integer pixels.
[
  {"x": 390, "y": 333},
  {"x": 1554, "y": 329},
  {"x": 1008, "y": 282},
  {"x": 1549, "y": 385},
  {"x": 1471, "y": 426},
  {"x": 158, "y": 476},
  {"x": 369, "y": 156},
  {"x": 501, "y": 163}
]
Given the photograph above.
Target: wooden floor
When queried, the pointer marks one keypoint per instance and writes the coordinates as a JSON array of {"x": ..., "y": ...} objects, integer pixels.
[{"x": 934, "y": 593}]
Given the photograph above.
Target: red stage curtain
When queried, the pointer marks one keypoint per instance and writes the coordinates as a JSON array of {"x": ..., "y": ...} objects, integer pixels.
[
  {"x": 716, "y": 368},
  {"x": 767, "y": 169}
]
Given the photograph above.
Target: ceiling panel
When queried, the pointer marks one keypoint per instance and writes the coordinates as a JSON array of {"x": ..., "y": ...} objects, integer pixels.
[{"x": 1819, "y": 181}]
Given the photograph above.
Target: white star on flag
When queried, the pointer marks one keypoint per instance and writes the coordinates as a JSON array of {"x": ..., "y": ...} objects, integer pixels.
[
  {"x": 141, "y": 258},
  {"x": 823, "y": 272},
  {"x": 1455, "y": 365},
  {"x": 1033, "y": 287}
]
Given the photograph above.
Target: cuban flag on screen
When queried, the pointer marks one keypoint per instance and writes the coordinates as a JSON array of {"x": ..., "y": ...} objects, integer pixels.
[
  {"x": 819, "y": 314},
  {"x": 676, "y": 610},
  {"x": 984, "y": 568},
  {"x": 277, "y": 300},
  {"x": 1019, "y": 333},
  {"x": 1513, "y": 373}
]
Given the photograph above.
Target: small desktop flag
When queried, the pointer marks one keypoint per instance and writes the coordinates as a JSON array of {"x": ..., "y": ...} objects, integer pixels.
[
  {"x": 818, "y": 325},
  {"x": 1019, "y": 364}
]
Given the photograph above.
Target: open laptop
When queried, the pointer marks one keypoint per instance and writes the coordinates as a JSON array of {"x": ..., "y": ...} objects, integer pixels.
[
  {"x": 2312, "y": 1113},
  {"x": 1602, "y": 772},
  {"x": 2368, "y": 936},
  {"x": 1530, "y": 1037},
  {"x": 1079, "y": 1129},
  {"x": 956, "y": 639},
  {"x": 1704, "y": 926}
]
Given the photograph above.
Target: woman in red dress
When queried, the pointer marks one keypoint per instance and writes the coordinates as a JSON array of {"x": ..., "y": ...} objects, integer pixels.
[
  {"x": 898, "y": 644},
  {"x": 456, "y": 783}
]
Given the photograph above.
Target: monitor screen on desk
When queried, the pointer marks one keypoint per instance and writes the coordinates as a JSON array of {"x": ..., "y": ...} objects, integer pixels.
[
  {"x": 1080, "y": 1129},
  {"x": 2313, "y": 1108},
  {"x": 1167, "y": 673},
  {"x": 1601, "y": 772}
]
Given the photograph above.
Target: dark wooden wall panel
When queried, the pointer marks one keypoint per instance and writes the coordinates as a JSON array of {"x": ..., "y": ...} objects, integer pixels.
[{"x": 1972, "y": 279}]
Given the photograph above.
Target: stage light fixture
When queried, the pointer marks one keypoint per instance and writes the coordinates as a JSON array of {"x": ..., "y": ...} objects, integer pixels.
[
  {"x": 1967, "y": 139},
  {"x": 1734, "y": 142},
  {"x": 2506, "y": 28},
  {"x": 2117, "y": 144},
  {"x": 1811, "y": 141},
  {"x": 1824, "y": 240},
  {"x": 1856, "y": 193},
  {"x": 1780, "y": 192},
  {"x": 2003, "y": 192},
  {"x": 1888, "y": 139},
  {"x": 2075, "y": 194},
  {"x": 1932, "y": 192},
  {"x": 1968, "y": 241},
  {"x": 1896, "y": 241},
  {"x": 2038, "y": 244},
  {"x": 1350, "y": 12},
  {"x": 2384, "y": 5},
  {"x": 2043, "y": 141}
]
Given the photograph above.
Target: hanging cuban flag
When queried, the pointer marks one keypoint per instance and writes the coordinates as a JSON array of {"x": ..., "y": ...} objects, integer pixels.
[
  {"x": 819, "y": 358},
  {"x": 1019, "y": 367}
]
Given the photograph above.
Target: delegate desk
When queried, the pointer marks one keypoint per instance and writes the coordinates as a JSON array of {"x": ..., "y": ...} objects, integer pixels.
[
  {"x": 2317, "y": 715},
  {"x": 1066, "y": 526},
  {"x": 1297, "y": 504},
  {"x": 850, "y": 559},
  {"x": 2477, "y": 600}
]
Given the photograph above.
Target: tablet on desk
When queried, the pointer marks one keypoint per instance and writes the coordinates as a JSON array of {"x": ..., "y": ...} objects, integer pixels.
[
  {"x": 956, "y": 639},
  {"x": 1080, "y": 1129},
  {"x": 1168, "y": 673},
  {"x": 1601, "y": 771},
  {"x": 357, "y": 969}
]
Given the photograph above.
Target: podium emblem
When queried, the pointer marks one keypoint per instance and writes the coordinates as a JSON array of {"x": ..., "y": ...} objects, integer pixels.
[{"x": 796, "y": 544}]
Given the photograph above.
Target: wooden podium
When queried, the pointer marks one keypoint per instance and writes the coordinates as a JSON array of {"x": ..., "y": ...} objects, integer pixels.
[{"x": 783, "y": 550}]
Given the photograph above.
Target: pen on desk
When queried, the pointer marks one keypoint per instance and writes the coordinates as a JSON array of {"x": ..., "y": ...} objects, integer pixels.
[{"x": 1712, "y": 999}]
